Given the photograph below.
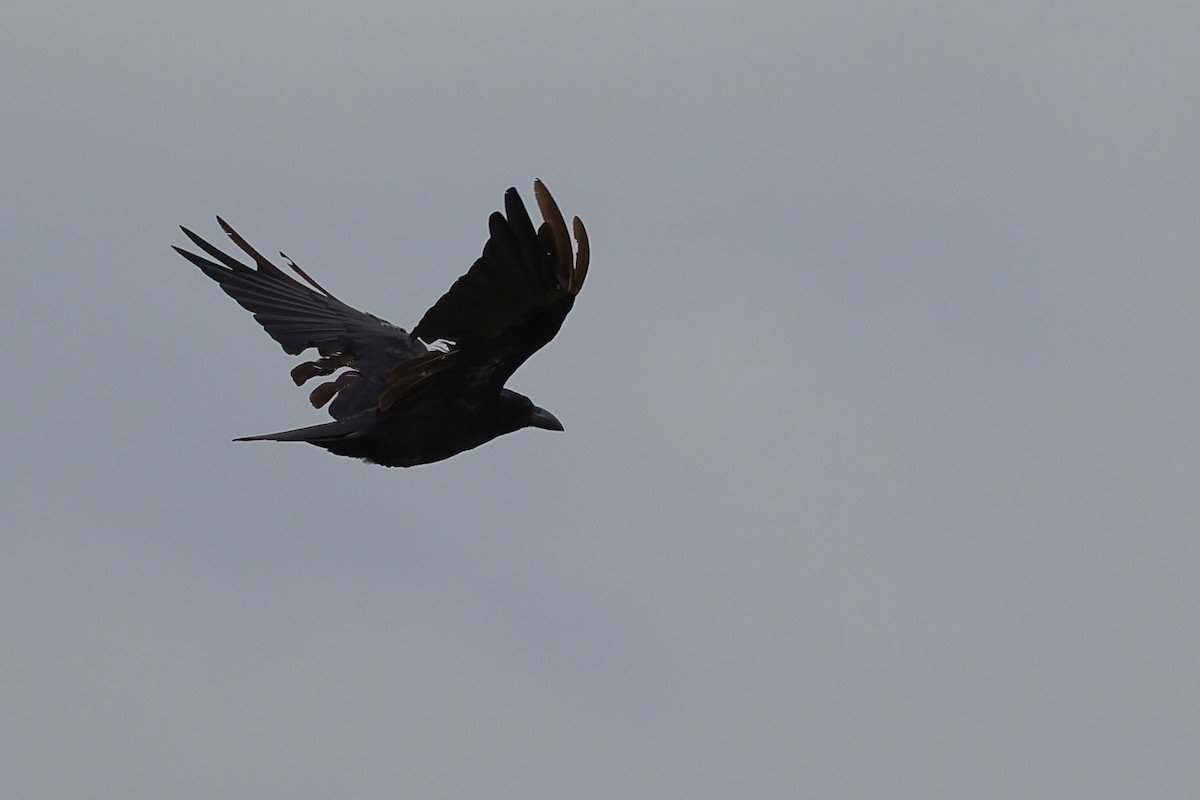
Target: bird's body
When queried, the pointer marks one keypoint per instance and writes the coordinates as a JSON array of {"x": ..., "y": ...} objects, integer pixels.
[{"x": 397, "y": 402}]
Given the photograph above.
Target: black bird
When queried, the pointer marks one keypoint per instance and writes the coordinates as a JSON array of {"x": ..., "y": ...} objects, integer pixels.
[{"x": 398, "y": 401}]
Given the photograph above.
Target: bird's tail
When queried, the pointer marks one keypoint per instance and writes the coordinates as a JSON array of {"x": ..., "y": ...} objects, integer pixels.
[{"x": 340, "y": 430}]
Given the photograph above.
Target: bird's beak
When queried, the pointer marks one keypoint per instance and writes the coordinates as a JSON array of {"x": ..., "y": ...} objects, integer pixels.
[{"x": 541, "y": 418}]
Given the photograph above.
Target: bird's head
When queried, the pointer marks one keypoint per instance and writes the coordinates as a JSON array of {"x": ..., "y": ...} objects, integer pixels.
[{"x": 518, "y": 411}]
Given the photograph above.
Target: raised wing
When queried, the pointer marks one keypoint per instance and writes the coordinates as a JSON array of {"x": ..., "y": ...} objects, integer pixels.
[
  {"x": 303, "y": 315},
  {"x": 511, "y": 302}
]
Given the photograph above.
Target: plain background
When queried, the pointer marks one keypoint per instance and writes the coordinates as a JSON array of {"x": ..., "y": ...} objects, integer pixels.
[{"x": 879, "y": 476}]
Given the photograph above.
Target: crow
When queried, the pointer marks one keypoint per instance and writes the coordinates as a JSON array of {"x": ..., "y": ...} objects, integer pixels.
[{"x": 407, "y": 398}]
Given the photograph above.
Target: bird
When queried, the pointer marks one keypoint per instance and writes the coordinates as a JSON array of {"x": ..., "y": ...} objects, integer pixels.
[{"x": 403, "y": 398}]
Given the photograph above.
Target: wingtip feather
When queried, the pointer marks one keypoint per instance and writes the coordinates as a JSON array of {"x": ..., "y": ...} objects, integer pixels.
[
  {"x": 558, "y": 231},
  {"x": 583, "y": 255}
]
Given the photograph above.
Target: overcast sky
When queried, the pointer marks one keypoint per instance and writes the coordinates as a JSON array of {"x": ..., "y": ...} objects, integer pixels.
[{"x": 881, "y": 450}]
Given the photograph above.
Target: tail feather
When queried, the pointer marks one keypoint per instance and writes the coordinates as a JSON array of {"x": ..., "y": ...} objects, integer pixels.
[{"x": 341, "y": 430}]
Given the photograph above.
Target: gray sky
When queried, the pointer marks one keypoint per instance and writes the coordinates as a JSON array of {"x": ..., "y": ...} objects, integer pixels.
[{"x": 882, "y": 442}]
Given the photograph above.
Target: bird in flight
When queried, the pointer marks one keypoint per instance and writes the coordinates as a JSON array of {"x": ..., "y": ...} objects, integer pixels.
[{"x": 395, "y": 400}]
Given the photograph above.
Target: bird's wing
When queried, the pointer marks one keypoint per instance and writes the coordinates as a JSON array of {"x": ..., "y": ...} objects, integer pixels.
[
  {"x": 510, "y": 303},
  {"x": 303, "y": 315}
]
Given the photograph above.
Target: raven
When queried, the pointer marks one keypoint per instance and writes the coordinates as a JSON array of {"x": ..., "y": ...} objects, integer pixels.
[{"x": 400, "y": 402}]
